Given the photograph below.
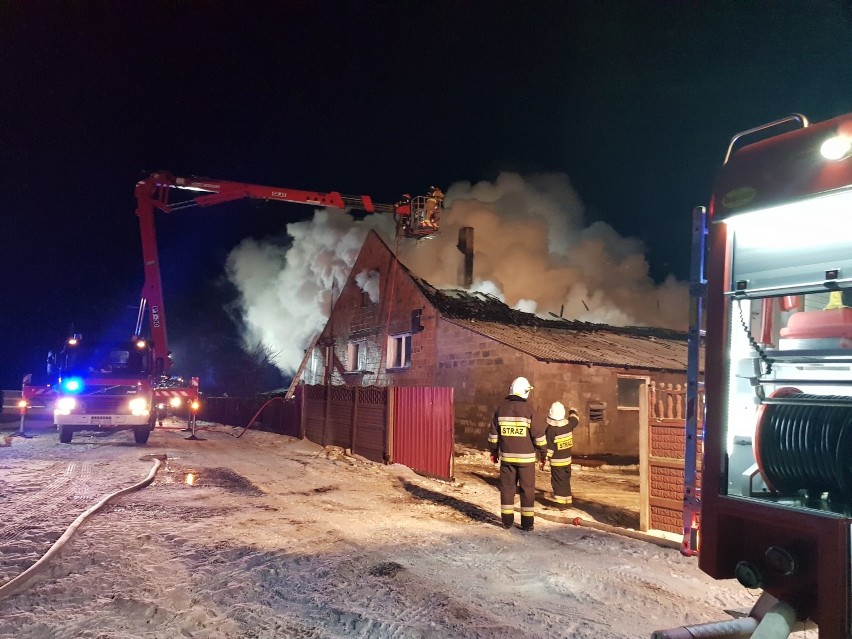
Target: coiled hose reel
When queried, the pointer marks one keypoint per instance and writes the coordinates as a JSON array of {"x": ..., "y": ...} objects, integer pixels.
[{"x": 802, "y": 444}]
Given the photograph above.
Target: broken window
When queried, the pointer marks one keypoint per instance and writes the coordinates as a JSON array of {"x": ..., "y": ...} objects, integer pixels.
[{"x": 399, "y": 351}]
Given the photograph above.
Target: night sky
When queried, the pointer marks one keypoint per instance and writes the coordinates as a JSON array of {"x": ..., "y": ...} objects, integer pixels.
[{"x": 634, "y": 101}]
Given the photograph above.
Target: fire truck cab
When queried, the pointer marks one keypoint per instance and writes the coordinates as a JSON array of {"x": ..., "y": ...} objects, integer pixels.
[{"x": 103, "y": 387}]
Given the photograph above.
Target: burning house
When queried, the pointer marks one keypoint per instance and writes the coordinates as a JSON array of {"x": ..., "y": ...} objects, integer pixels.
[{"x": 388, "y": 327}]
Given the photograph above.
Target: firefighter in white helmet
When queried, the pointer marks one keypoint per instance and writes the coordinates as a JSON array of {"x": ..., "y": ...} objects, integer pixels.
[
  {"x": 560, "y": 440},
  {"x": 516, "y": 438}
]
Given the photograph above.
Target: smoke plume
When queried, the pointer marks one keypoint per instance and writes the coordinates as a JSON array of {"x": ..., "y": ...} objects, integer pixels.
[{"x": 533, "y": 250}]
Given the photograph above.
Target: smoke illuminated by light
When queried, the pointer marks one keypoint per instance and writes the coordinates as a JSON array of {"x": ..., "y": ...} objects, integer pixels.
[{"x": 532, "y": 249}]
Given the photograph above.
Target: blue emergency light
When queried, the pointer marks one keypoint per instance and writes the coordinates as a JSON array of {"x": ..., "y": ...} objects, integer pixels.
[{"x": 72, "y": 385}]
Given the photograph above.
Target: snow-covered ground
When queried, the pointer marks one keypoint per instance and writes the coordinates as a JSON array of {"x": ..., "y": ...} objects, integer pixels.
[{"x": 267, "y": 536}]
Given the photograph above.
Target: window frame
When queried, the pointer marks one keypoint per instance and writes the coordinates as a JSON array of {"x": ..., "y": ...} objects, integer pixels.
[
  {"x": 359, "y": 348},
  {"x": 395, "y": 354}
]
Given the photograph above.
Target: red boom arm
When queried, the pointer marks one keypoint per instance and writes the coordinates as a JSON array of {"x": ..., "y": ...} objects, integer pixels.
[{"x": 153, "y": 193}]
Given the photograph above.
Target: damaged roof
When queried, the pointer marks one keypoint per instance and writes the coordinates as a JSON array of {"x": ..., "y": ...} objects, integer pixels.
[{"x": 559, "y": 339}]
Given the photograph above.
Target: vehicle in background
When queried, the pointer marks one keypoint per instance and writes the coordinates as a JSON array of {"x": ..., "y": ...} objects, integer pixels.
[{"x": 100, "y": 386}]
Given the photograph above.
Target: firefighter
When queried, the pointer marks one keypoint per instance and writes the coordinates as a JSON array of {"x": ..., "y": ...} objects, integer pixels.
[
  {"x": 560, "y": 439},
  {"x": 516, "y": 438},
  {"x": 434, "y": 202}
]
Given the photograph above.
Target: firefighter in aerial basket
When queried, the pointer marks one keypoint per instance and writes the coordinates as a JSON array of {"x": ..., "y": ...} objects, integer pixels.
[
  {"x": 560, "y": 440},
  {"x": 516, "y": 439}
]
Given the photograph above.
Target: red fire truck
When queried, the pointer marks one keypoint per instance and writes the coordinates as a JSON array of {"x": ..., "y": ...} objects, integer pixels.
[
  {"x": 775, "y": 499},
  {"x": 127, "y": 384}
]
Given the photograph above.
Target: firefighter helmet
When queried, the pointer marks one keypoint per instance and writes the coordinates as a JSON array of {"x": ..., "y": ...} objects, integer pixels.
[
  {"x": 556, "y": 414},
  {"x": 520, "y": 387}
]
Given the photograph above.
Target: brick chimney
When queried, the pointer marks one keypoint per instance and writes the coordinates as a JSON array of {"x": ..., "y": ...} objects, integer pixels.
[{"x": 465, "y": 245}]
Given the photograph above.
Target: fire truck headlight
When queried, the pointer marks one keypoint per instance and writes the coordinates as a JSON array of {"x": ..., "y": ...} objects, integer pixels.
[
  {"x": 64, "y": 405},
  {"x": 836, "y": 148},
  {"x": 174, "y": 402},
  {"x": 22, "y": 403},
  {"x": 139, "y": 406},
  {"x": 195, "y": 405}
]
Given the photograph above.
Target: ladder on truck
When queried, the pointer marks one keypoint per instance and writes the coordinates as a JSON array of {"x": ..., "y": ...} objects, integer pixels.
[{"x": 694, "y": 435}]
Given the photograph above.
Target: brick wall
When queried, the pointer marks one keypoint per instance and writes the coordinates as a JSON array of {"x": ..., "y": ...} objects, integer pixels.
[{"x": 481, "y": 370}]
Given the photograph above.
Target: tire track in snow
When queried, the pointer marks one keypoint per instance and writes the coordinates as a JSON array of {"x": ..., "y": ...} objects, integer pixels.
[{"x": 39, "y": 505}]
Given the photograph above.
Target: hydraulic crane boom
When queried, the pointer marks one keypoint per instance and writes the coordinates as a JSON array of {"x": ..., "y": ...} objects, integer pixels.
[{"x": 415, "y": 218}]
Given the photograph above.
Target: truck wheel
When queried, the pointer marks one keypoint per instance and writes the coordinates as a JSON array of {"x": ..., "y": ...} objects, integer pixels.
[
  {"x": 141, "y": 435},
  {"x": 65, "y": 434}
]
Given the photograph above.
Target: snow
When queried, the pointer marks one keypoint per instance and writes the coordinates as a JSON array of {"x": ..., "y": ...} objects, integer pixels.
[{"x": 264, "y": 535}]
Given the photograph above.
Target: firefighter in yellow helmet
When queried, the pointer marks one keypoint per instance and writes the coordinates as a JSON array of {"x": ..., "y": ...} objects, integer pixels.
[
  {"x": 516, "y": 438},
  {"x": 560, "y": 440}
]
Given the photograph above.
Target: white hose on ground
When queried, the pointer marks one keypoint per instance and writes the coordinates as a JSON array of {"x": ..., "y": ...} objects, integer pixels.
[
  {"x": 741, "y": 628},
  {"x": 777, "y": 623},
  {"x": 16, "y": 583},
  {"x": 625, "y": 532},
  {"x": 769, "y": 619}
]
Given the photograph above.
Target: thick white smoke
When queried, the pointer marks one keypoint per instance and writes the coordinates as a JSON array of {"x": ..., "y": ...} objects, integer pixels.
[
  {"x": 286, "y": 286},
  {"x": 532, "y": 249}
]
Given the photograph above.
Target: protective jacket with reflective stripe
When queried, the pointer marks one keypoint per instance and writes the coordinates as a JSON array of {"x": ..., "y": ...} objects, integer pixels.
[
  {"x": 516, "y": 434},
  {"x": 560, "y": 440}
]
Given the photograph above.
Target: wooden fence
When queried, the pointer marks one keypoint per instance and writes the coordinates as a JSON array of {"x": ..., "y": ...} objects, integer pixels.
[{"x": 411, "y": 426}]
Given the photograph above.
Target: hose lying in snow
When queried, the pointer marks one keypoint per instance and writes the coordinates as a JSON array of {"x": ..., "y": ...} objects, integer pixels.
[
  {"x": 626, "y": 532},
  {"x": 15, "y": 584}
]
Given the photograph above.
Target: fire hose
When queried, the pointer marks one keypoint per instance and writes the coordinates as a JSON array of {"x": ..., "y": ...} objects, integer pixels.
[
  {"x": 624, "y": 532},
  {"x": 16, "y": 583},
  {"x": 257, "y": 414}
]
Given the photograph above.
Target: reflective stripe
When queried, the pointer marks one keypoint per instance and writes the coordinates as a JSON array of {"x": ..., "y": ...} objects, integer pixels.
[
  {"x": 517, "y": 458},
  {"x": 541, "y": 441},
  {"x": 549, "y": 453},
  {"x": 564, "y": 441},
  {"x": 513, "y": 421},
  {"x": 528, "y": 510},
  {"x": 492, "y": 439},
  {"x": 563, "y": 500},
  {"x": 560, "y": 462},
  {"x": 507, "y": 510}
]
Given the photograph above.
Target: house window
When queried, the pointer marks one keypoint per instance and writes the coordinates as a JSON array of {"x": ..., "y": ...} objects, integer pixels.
[
  {"x": 399, "y": 351},
  {"x": 356, "y": 356},
  {"x": 628, "y": 391},
  {"x": 597, "y": 411}
]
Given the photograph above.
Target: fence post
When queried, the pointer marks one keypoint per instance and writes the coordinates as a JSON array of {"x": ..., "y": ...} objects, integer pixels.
[
  {"x": 302, "y": 389},
  {"x": 327, "y": 415},
  {"x": 644, "y": 460},
  {"x": 389, "y": 424},
  {"x": 354, "y": 421}
]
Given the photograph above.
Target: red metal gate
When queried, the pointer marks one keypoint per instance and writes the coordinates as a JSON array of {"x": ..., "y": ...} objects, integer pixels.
[{"x": 423, "y": 430}]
